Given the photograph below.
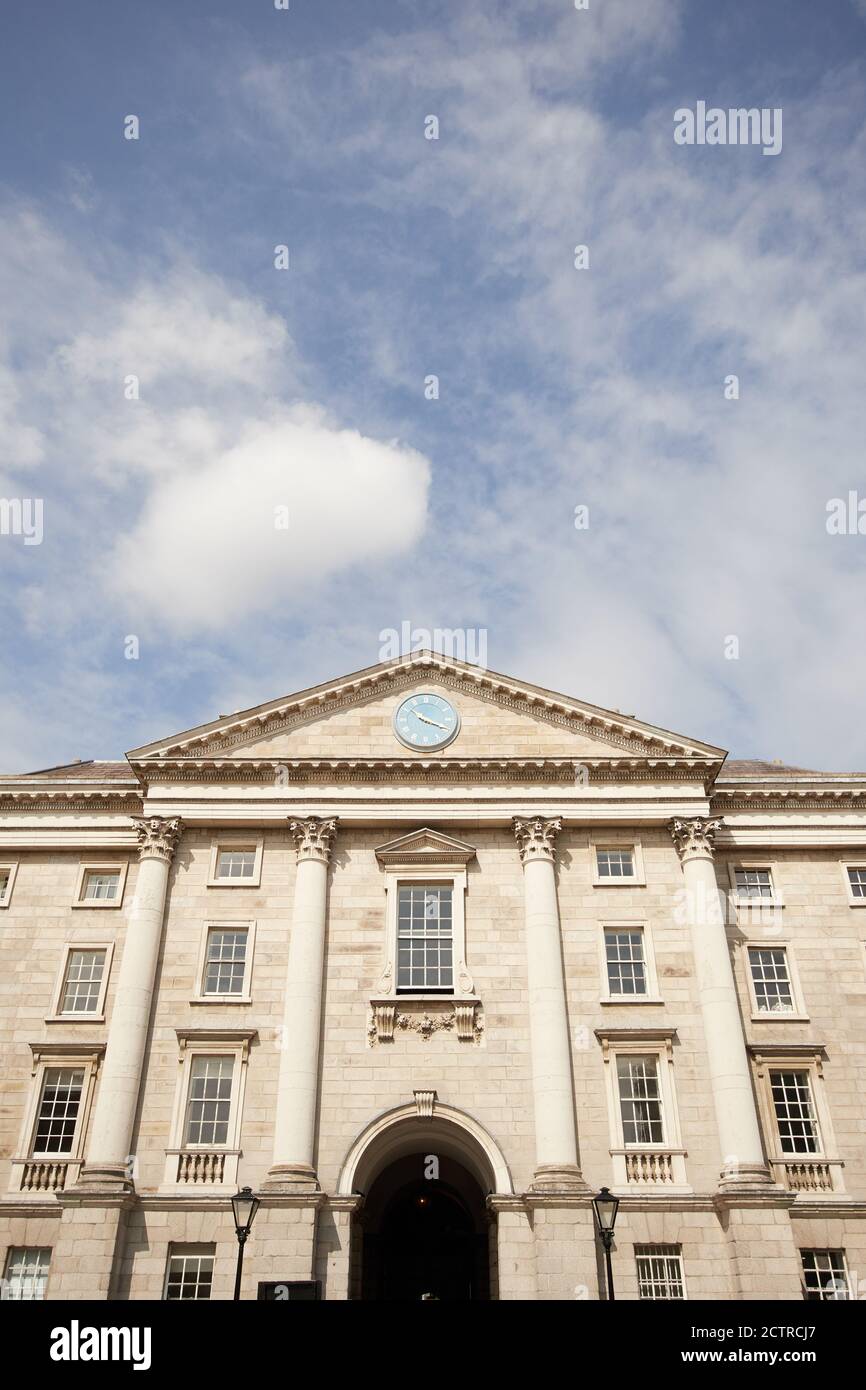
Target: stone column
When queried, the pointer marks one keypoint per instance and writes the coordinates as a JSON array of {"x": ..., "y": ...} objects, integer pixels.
[
  {"x": 108, "y": 1161},
  {"x": 297, "y": 1086},
  {"x": 730, "y": 1076},
  {"x": 557, "y": 1166}
]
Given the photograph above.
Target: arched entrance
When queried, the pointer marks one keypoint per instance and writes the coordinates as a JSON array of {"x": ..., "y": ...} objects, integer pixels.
[
  {"x": 425, "y": 1228},
  {"x": 425, "y": 1233}
]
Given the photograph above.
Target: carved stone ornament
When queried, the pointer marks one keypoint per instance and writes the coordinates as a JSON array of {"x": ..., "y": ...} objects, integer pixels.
[
  {"x": 313, "y": 837},
  {"x": 464, "y": 1018},
  {"x": 693, "y": 837},
  {"x": 424, "y": 1103},
  {"x": 536, "y": 839},
  {"x": 157, "y": 836}
]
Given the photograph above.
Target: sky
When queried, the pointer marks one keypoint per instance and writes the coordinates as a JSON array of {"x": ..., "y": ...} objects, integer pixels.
[{"x": 246, "y": 473}]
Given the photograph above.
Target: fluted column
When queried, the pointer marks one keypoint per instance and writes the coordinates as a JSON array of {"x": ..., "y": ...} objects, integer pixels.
[
  {"x": 108, "y": 1162},
  {"x": 297, "y": 1086},
  {"x": 730, "y": 1076},
  {"x": 557, "y": 1166}
]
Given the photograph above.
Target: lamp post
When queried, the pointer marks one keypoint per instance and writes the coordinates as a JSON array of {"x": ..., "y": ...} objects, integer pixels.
[
  {"x": 244, "y": 1206},
  {"x": 606, "y": 1206}
]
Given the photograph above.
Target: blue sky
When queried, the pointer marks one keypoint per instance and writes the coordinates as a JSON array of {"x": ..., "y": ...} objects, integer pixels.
[{"x": 409, "y": 257}]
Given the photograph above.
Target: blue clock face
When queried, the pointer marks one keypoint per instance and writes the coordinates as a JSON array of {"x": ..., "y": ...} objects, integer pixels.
[{"x": 426, "y": 721}]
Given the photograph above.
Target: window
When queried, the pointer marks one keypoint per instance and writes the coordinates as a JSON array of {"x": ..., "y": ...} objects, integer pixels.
[
  {"x": 26, "y": 1273},
  {"x": 225, "y": 965},
  {"x": 615, "y": 863},
  {"x": 659, "y": 1271},
  {"x": 7, "y": 883},
  {"x": 236, "y": 864},
  {"x": 640, "y": 1099},
  {"x": 855, "y": 883},
  {"x": 754, "y": 885},
  {"x": 59, "y": 1106},
  {"x": 425, "y": 939},
  {"x": 626, "y": 964},
  {"x": 825, "y": 1278},
  {"x": 210, "y": 1101},
  {"x": 83, "y": 981},
  {"x": 771, "y": 981},
  {"x": 795, "y": 1113},
  {"x": 189, "y": 1272},
  {"x": 100, "y": 885}
]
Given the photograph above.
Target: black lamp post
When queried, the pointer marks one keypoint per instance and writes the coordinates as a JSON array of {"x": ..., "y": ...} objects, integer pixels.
[
  {"x": 244, "y": 1205},
  {"x": 606, "y": 1207}
]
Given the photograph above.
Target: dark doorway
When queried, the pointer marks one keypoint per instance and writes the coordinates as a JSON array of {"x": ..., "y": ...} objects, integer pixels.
[{"x": 425, "y": 1238}]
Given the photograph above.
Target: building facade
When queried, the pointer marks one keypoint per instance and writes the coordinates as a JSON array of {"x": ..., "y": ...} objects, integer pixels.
[{"x": 426, "y": 956}]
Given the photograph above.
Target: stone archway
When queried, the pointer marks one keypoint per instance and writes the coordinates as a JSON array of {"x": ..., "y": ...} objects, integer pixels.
[{"x": 425, "y": 1227}]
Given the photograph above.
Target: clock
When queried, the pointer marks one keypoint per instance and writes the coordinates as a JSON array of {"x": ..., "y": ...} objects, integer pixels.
[{"x": 426, "y": 721}]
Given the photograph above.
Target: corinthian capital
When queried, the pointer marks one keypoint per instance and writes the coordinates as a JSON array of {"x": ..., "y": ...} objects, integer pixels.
[
  {"x": 157, "y": 836},
  {"x": 536, "y": 839},
  {"x": 313, "y": 837},
  {"x": 693, "y": 837}
]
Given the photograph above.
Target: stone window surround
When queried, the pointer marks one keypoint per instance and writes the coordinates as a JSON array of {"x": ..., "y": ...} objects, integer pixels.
[
  {"x": 208, "y": 1042},
  {"x": 808, "y": 1057},
  {"x": 798, "y": 1013},
  {"x": 601, "y": 839},
  {"x": 90, "y": 866},
  {"x": 236, "y": 841},
  {"x": 98, "y": 1015},
  {"x": 668, "y": 1252},
  {"x": 215, "y": 924},
  {"x": 652, "y": 995},
  {"x": 12, "y": 866},
  {"x": 847, "y": 864},
  {"x": 46, "y": 1056},
  {"x": 751, "y": 861},
  {"x": 618, "y": 1042}
]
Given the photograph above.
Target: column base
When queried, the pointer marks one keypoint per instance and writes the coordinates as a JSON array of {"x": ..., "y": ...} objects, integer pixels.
[
  {"x": 747, "y": 1175},
  {"x": 291, "y": 1177},
  {"x": 558, "y": 1177},
  {"x": 110, "y": 1178}
]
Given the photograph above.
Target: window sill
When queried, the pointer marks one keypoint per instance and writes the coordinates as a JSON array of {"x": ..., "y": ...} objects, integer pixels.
[
  {"x": 94, "y": 906},
  {"x": 758, "y": 904},
  {"x": 852, "y": 902},
  {"x": 221, "y": 999},
  {"x": 74, "y": 1018},
  {"x": 619, "y": 883},
  {"x": 780, "y": 1018},
  {"x": 629, "y": 999},
  {"x": 234, "y": 883}
]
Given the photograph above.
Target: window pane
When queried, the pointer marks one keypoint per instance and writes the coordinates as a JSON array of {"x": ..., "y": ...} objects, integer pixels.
[
  {"x": 236, "y": 863},
  {"x": 795, "y": 1115},
  {"x": 424, "y": 938},
  {"x": 100, "y": 886},
  {"x": 626, "y": 971},
  {"x": 640, "y": 1100},
  {"x": 58, "y": 1110},
  {"x": 209, "y": 1104},
  {"x": 615, "y": 863},
  {"x": 753, "y": 883},
  {"x": 770, "y": 975},
  {"x": 825, "y": 1278},
  {"x": 26, "y": 1273},
  {"x": 857, "y": 879},
  {"x": 4, "y": 882},
  {"x": 659, "y": 1271},
  {"x": 83, "y": 982},
  {"x": 225, "y": 965},
  {"x": 190, "y": 1272}
]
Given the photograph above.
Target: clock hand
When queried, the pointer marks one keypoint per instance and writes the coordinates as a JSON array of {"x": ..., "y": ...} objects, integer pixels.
[{"x": 428, "y": 721}]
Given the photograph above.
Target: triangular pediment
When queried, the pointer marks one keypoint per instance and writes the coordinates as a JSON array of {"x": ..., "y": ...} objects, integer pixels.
[
  {"x": 353, "y": 717},
  {"x": 425, "y": 846}
]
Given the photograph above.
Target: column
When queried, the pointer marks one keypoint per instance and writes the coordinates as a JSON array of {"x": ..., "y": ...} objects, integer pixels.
[
  {"x": 557, "y": 1166},
  {"x": 730, "y": 1076},
  {"x": 109, "y": 1148},
  {"x": 297, "y": 1086}
]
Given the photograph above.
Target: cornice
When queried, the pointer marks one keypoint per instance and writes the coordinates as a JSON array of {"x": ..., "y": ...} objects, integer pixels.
[{"x": 286, "y": 771}]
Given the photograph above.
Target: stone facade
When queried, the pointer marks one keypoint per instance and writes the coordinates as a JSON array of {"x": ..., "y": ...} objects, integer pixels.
[{"x": 516, "y": 1081}]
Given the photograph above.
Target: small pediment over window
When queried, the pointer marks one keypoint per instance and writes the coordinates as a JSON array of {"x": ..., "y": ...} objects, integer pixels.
[{"x": 425, "y": 846}]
